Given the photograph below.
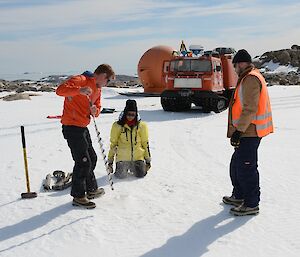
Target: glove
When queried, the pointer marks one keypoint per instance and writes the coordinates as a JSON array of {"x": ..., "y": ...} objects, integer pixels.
[
  {"x": 235, "y": 138},
  {"x": 148, "y": 165},
  {"x": 110, "y": 166}
]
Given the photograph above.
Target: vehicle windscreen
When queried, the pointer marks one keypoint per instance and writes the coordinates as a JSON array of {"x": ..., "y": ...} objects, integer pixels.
[{"x": 191, "y": 65}]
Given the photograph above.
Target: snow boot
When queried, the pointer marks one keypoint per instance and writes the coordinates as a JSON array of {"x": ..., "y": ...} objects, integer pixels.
[
  {"x": 83, "y": 202},
  {"x": 95, "y": 194},
  {"x": 231, "y": 200},
  {"x": 243, "y": 210}
]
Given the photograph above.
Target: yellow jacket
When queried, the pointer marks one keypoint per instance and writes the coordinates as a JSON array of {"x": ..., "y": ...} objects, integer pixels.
[{"x": 129, "y": 144}]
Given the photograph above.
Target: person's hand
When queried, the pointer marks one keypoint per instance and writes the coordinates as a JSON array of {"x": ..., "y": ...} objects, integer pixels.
[
  {"x": 93, "y": 109},
  {"x": 110, "y": 166},
  {"x": 148, "y": 165},
  {"x": 87, "y": 91},
  {"x": 235, "y": 138}
]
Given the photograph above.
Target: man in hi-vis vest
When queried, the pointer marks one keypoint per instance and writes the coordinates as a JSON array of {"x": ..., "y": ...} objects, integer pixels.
[{"x": 249, "y": 120}]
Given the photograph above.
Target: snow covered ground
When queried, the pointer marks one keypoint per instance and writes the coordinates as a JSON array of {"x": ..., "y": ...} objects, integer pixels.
[
  {"x": 175, "y": 211},
  {"x": 271, "y": 67}
]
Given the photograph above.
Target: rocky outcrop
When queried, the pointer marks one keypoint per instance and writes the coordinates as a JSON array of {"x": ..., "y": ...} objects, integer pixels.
[
  {"x": 17, "y": 96},
  {"x": 295, "y": 47},
  {"x": 287, "y": 58},
  {"x": 292, "y": 78},
  {"x": 49, "y": 84},
  {"x": 25, "y": 88},
  {"x": 283, "y": 57},
  {"x": 19, "y": 87}
]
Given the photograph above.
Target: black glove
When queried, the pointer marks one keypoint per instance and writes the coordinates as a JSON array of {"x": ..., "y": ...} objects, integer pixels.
[
  {"x": 235, "y": 138},
  {"x": 148, "y": 165}
]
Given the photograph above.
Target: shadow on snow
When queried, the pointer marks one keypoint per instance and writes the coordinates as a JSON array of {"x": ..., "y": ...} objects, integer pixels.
[
  {"x": 195, "y": 241},
  {"x": 36, "y": 222}
]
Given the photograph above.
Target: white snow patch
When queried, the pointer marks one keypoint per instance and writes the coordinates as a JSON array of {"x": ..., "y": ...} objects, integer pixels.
[
  {"x": 272, "y": 67},
  {"x": 175, "y": 211},
  {"x": 28, "y": 82}
]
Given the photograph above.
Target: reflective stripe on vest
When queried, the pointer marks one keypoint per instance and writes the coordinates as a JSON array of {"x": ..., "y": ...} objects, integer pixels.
[{"x": 263, "y": 117}]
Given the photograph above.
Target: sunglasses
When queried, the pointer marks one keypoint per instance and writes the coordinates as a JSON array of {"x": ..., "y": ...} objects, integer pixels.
[
  {"x": 108, "y": 78},
  {"x": 130, "y": 114}
]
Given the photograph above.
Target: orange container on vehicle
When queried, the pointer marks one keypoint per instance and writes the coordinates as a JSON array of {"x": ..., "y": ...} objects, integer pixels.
[
  {"x": 150, "y": 68},
  {"x": 229, "y": 75}
]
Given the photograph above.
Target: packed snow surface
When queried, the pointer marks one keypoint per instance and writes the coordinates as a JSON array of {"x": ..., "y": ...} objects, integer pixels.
[{"x": 175, "y": 211}]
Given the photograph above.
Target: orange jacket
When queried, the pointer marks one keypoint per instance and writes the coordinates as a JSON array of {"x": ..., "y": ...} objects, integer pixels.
[
  {"x": 76, "y": 106},
  {"x": 263, "y": 117}
]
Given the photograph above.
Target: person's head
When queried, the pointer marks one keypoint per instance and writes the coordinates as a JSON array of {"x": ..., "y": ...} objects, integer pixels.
[
  {"x": 103, "y": 74},
  {"x": 130, "y": 110},
  {"x": 241, "y": 61}
]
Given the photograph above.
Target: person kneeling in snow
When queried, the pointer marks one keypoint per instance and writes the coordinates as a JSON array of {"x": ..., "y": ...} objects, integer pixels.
[{"x": 129, "y": 141}]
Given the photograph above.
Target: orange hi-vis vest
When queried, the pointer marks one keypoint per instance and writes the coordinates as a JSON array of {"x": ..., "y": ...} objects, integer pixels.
[{"x": 263, "y": 118}]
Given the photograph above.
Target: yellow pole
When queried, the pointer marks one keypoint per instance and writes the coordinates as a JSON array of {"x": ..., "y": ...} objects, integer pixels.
[{"x": 26, "y": 170}]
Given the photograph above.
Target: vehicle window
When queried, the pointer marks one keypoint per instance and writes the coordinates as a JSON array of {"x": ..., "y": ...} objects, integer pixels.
[
  {"x": 191, "y": 65},
  {"x": 172, "y": 66},
  {"x": 183, "y": 65},
  {"x": 200, "y": 65},
  {"x": 180, "y": 65}
]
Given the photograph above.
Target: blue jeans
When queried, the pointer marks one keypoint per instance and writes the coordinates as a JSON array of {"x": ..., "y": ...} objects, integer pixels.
[{"x": 243, "y": 171}]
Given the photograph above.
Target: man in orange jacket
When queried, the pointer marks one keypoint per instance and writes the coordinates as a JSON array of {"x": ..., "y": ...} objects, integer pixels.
[
  {"x": 82, "y": 99},
  {"x": 249, "y": 119}
]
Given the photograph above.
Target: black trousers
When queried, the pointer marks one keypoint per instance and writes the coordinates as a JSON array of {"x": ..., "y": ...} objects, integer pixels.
[
  {"x": 243, "y": 171},
  {"x": 85, "y": 158}
]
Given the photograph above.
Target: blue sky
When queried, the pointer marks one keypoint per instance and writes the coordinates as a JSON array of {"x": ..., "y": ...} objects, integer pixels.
[{"x": 64, "y": 35}]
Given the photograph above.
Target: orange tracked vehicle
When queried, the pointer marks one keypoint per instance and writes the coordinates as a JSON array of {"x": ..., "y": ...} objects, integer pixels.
[{"x": 203, "y": 78}]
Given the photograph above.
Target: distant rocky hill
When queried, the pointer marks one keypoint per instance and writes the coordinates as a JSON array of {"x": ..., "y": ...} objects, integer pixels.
[
  {"x": 286, "y": 57},
  {"x": 49, "y": 84},
  {"x": 126, "y": 78},
  {"x": 280, "y": 67},
  {"x": 125, "y": 81}
]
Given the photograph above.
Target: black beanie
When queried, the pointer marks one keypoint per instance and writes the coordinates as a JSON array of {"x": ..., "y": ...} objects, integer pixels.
[
  {"x": 130, "y": 106},
  {"x": 242, "y": 56}
]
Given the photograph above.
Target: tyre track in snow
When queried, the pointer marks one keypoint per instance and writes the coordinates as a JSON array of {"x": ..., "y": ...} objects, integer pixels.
[
  {"x": 285, "y": 102},
  {"x": 194, "y": 138},
  {"x": 27, "y": 125},
  {"x": 30, "y": 128}
]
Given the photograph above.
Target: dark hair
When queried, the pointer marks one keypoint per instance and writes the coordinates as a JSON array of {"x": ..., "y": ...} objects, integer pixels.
[
  {"x": 105, "y": 68},
  {"x": 131, "y": 106}
]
